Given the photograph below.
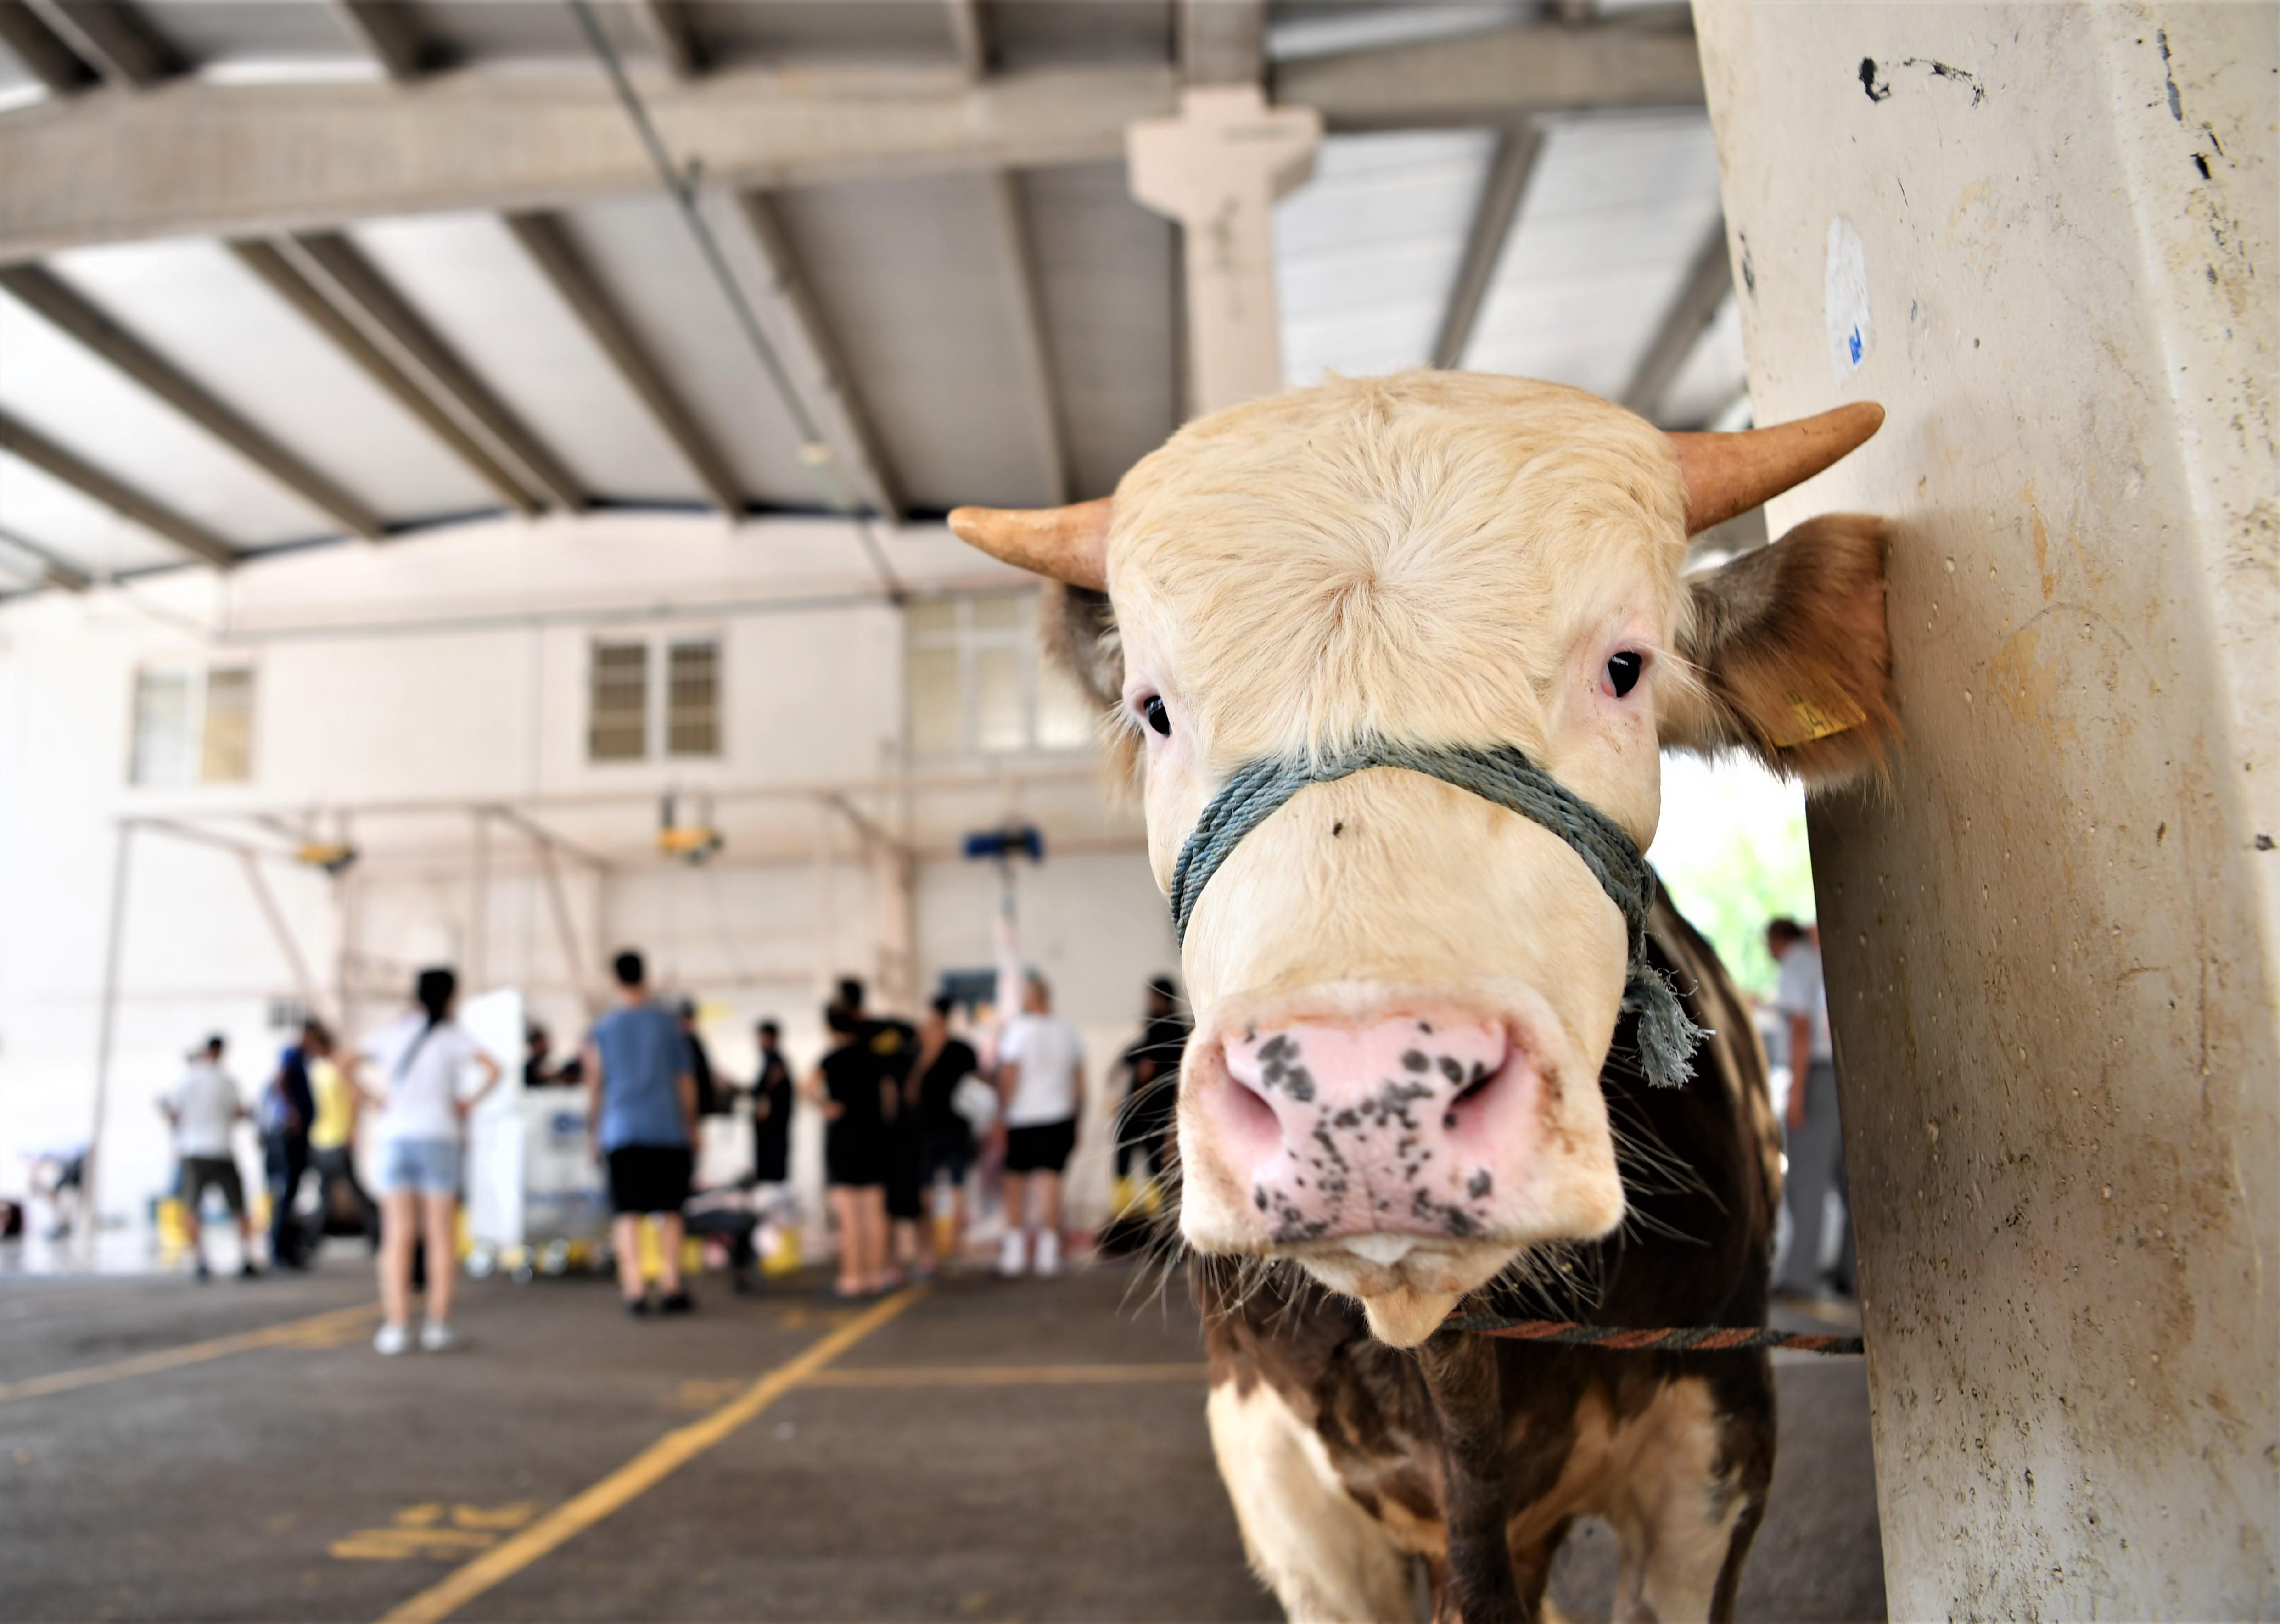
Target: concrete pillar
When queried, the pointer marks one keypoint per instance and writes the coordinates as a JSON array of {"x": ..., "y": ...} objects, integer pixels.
[
  {"x": 2044, "y": 237},
  {"x": 1217, "y": 169}
]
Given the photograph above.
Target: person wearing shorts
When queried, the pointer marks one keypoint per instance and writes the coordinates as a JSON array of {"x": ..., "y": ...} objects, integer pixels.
[
  {"x": 1041, "y": 1078},
  {"x": 418, "y": 1060},
  {"x": 204, "y": 1108},
  {"x": 852, "y": 1090},
  {"x": 641, "y": 1108},
  {"x": 945, "y": 1138}
]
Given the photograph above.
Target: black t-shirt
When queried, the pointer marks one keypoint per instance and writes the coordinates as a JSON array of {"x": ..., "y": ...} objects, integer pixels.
[
  {"x": 893, "y": 1047},
  {"x": 709, "y": 1102},
  {"x": 1162, "y": 1041},
  {"x": 956, "y": 1061},
  {"x": 772, "y": 1120},
  {"x": 852, "y": 1080}
]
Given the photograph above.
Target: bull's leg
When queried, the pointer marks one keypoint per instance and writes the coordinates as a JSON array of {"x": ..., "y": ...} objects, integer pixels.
[
  {"x": 1324, "y": 1557},
  {"x": 1691, "y": 1510},
  {"x": 1467, "y": 1390}
]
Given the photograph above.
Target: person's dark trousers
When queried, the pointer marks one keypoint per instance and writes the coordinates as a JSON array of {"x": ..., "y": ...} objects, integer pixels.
[
  {"x": 1815, "y": 1153},
  {"x": 336, "y": 1171},
  {"x": 287, "y": 1156}
]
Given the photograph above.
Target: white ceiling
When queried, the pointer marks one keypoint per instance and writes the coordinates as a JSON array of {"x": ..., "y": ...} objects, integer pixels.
[{"x": 913, "y": 275}]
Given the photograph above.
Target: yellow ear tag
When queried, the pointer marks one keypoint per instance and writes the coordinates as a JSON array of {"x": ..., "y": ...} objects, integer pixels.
[{"x": 1818, "y": 716}]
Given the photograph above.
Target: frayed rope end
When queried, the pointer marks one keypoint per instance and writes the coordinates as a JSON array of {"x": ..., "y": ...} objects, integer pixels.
[{"x": 1668, "y": 1036}]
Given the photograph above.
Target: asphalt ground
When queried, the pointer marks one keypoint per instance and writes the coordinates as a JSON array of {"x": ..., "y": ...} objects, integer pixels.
[{"x": 985, "y": 1451}]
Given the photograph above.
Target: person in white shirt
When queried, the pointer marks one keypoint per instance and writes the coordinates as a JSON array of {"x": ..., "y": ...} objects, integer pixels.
[
  {"x": 1041, "y": 1079},
  {"x": 204, "y": 1108},
  {"x": 1814, "y": 1144},
  {"x": 419, "y": 1058}
]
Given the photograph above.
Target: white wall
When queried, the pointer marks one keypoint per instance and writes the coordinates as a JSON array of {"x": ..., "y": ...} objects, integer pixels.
[{"x": 452, "y": 667}]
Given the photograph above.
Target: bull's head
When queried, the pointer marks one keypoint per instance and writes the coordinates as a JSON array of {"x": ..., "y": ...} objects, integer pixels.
[{"x": 1403, "y": 993}]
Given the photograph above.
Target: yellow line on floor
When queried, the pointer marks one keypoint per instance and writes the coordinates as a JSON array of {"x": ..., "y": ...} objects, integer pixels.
[
  {"x": 312, "y": 1330},
  {"x": 640, "y": 1474},
  {"x": 1004, "y": 1375}
]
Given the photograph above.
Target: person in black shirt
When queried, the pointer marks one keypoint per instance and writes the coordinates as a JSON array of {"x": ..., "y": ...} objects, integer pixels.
[
  {"x": 289, "y": 1111},
  {"x": 1144, "y": 1126},
  {"x": 771, "y": 1112},
  {"x": 710, "y": 1100},
  {"x": 855, "y": 1101},
  {"x": 945, "y": 1138},
  {"x": 893, "y": 1045}
]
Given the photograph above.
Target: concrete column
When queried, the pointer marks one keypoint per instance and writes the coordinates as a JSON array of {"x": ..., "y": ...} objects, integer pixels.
[
  {"x": 2044, "y": 237},
  {"x": 1217, "y": 169}
]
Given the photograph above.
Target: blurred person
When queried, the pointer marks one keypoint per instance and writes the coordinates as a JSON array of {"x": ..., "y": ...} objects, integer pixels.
[
  {"x": 892, "y": 1045},
  {"x": 945, "y": 1138},
  {"x": 204, "y": 1109},
  {"x": 1144, "y": 1121},
  {"x": 1041, "y": 1079},
  {"x": 772, "y": 1092},
  {"x": 421, "y": 1056},
  {"x": 538, "y": 1069},
  {"x": 712, "y": 1100},
  {"x": 331, "y": 1140},
  {"x": 641, "y": 1108},
  {"x": 288, "y": 1108},
  {"x": 855, "y": 1098},
  {"x": 1814, "y": 1143}
]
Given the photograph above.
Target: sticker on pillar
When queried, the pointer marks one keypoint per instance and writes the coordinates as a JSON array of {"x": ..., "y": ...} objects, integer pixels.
[{"x": 1845, "y": 296}]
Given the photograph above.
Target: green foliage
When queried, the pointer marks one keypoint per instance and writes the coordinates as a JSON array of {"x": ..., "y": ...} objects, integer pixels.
[{"x": 1738, "y": 877}]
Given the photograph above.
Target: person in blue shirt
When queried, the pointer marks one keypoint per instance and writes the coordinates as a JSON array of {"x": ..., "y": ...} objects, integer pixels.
[{"x": 641, "y": 1109}]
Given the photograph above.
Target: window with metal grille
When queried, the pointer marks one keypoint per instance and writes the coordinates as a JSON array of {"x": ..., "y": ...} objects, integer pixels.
[
  {"x": 193, "y": 725},
  {"x": 692, "y": 717},
  {"x": 976, "y": 685},
  {"x": 654, "y": 697}
]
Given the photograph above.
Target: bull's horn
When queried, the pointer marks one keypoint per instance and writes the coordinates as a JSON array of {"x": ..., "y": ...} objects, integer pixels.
[
  {"x": 1728, "y": 474},
  {"x": 1067, "y": 544}
]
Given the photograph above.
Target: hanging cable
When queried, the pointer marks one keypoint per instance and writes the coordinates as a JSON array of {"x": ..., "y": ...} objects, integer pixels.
[{"x": 681, "y": 185}]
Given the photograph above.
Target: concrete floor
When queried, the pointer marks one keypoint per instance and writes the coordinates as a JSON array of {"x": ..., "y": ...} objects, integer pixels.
[{"x": 306, "y": 1478}]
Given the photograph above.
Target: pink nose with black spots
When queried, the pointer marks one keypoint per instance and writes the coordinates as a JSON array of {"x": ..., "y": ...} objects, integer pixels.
[{"x": 1403, "y": 1126}]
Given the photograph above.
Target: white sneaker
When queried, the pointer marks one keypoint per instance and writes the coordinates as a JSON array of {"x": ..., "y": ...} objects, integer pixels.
[
  {"x": 391, "y": 1339},
  {"x": 1013, "y": 1257},
  {"x": 438, "y": 1338},
  {"x": 1049, "y": 1253}
]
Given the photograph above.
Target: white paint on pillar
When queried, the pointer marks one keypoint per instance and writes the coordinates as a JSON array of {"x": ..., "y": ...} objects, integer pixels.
[
  {"x": 2054, "y": 946},
  {"x": 1217, "y": 169}
]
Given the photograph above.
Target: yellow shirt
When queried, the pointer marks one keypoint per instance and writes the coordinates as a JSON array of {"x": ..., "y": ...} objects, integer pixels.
[{"x": 335, "y": 1107}]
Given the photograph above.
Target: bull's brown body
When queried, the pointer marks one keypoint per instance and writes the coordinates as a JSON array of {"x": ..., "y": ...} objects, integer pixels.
[{"x": 1701, "y": 1179}]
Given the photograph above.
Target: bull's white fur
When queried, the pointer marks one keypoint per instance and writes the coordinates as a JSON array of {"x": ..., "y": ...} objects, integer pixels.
[{"x": 1437, "y": 558}]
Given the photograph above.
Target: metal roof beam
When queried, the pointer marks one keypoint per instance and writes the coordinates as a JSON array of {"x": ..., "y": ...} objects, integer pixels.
[
  {"x": 1501, "y": 75},
  {"x": 1222, "y": 42},
  {"x": 549, "y": 246},
  {"x": 1709, "y": 279},
  {"x": 53, "y": 571},
  {"x": 969, "y": 36},
  {"x": 1033, "y": 355},
  {"x": 760, "y": 255},
  {"x": 219, "y": 160},
  {"x": 44, "y": 454},
  {"x": 115, "y": 37},
  {"x": 42, "y": 51},
  {"x": 390, "y": 34},
  {"x": 62, "y": 305},
  {"x": 277, "y": 265},
  {"x": 353, "y": 284},
  {"x": 674, "y": 33},
  {"x": 1501, "y": 192}
]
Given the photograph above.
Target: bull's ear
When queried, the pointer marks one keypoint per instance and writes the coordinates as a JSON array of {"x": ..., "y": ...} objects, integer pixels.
[
  {"x": 1078, "y": 628},
  {"x": 1790, "y": 654}
]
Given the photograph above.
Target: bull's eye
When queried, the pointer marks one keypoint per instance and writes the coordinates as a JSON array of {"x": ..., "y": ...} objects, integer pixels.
[
  {"x": 1159, "y": 718},
  {"x": 1623, "y": 671}
]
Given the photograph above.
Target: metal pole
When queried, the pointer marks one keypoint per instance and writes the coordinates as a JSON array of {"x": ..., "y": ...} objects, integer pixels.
[
  {"x": 479, "y": 898},
  {"x": 302, "y": 980},
  {"x": 91, "y": 1206}
]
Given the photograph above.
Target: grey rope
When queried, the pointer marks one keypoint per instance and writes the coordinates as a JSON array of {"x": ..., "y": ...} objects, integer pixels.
[{"x": 1667, "y": 1036}]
